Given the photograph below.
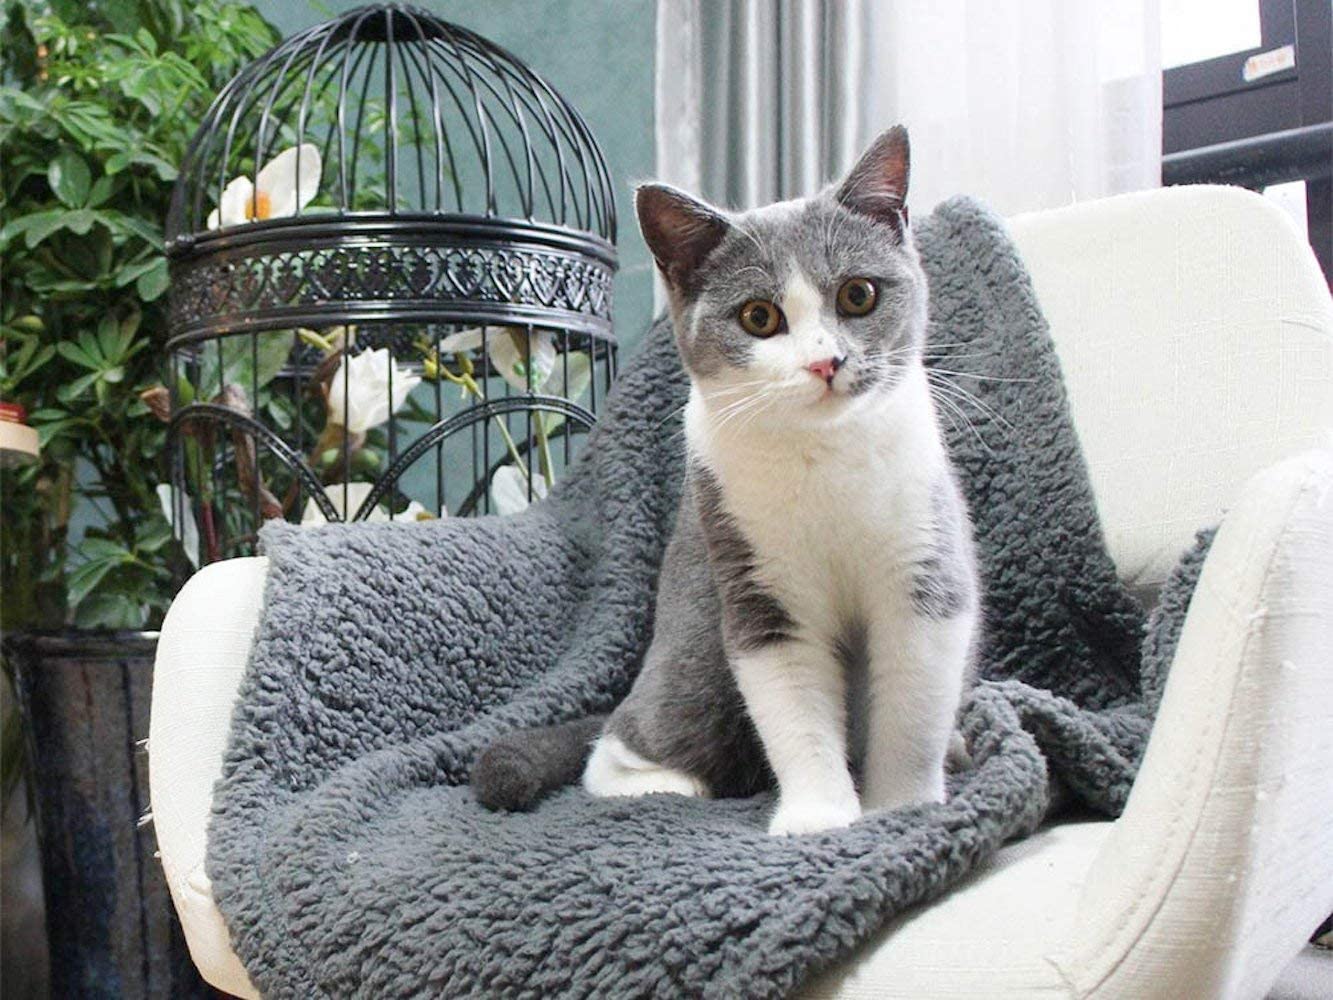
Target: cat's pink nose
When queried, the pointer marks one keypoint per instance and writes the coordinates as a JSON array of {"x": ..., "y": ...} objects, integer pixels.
[{"x": 826, "y": 369}]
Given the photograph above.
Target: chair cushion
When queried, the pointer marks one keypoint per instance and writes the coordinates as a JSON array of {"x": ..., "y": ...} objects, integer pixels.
[{"x": 1196, "y": 338}]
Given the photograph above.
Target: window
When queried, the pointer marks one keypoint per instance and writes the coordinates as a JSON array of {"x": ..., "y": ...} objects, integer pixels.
[{"x": 1254, "y": 111}]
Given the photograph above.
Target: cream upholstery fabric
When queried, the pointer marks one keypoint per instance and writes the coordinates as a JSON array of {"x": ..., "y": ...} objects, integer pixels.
[
  {"x": 201, "y": 658},
  {"x": 990, "y": 937},
  {"x": 1222, "y": 863},
  {"x": 1196, "y": 335},
  {"x": 1194, "y": 332}
]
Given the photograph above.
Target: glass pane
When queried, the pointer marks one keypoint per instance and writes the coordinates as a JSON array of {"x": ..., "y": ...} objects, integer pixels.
[{"x": 1195, "y": 30}]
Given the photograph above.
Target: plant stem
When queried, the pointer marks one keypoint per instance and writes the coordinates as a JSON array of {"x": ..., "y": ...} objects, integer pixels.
[
  {"x": 548, "y": 471},
  {"x": 470, "y": 385}
]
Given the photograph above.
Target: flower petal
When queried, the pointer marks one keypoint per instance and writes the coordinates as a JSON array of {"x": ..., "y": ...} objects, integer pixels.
[
  {"x": 290, "y": 180},
  {"x": 509, "y": 490},
  {"x": 416, "y": 511},
  {"x": 235, "y": 205},
  {"x": 356, "y": 496},
  {"x": 463, "y": 340},
  {"x": 359, "y": 391},
  {"x": 509, "y": 348}
]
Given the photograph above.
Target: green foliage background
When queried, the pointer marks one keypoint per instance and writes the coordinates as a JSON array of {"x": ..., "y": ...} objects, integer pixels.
[{"x": 98, "y": 102}]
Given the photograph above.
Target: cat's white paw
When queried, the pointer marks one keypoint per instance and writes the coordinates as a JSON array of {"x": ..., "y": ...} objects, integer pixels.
[
  {"x": 813, "y": 815},
  {"x": 615, "y": 770}
]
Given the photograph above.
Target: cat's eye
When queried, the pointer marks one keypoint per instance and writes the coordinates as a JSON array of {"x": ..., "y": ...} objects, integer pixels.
[
  {"x": 857, "y": 296},
  {"x": 760, "y": 318}
]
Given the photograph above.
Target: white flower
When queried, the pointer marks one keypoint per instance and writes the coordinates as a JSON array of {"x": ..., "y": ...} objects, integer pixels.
[
  {"x": 356, "y": 496},
  {"x": 359, "y": 392},
  {"x": 274, "y": 192},
  {"x": 186, "y": 530},
  {"x": 509, "y": 490},
  {"x": 508, "y": 350}
]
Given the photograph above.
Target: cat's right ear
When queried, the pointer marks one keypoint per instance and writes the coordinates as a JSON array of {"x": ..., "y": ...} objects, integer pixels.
[
  {"x": 680, "y": 232},
  {"x": 877, "y": 185}
]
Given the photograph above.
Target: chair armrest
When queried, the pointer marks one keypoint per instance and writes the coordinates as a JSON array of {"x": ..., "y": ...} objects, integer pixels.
[
  {"x": 1220, "y": 867},
  {"x": 201, "y": 657}
]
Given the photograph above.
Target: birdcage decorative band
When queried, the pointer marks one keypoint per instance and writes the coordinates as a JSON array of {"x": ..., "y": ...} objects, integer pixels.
[{"x": 435, "y": 273}]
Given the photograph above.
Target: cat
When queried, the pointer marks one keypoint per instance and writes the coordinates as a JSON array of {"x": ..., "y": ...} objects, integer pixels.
[{"x": 818, "y": 605}]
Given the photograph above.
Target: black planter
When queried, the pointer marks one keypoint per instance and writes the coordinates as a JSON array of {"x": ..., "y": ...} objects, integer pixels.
[{"x": 112, "y": 930}]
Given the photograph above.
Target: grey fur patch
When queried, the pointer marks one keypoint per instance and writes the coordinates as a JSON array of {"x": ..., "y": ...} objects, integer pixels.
[
  {"x": 944, "y": 580},
  {"x": 685, "y": 711},
  {"x": 854, "y": 658},
  {"x": 751, "y": 616}
]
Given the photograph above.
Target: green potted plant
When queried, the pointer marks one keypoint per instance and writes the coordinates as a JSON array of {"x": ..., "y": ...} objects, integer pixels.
[{"x": 97, "y": 104}]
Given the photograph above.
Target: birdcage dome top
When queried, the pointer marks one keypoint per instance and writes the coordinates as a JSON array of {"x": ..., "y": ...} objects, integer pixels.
[{"x": 389, "y": 164}]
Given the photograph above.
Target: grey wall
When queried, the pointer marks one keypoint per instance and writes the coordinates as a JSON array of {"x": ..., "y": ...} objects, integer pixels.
[{"x": 599, "y": 55}]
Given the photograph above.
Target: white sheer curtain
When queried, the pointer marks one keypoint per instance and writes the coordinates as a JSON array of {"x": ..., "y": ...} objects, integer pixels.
[{"x": 1025, "y": 104}]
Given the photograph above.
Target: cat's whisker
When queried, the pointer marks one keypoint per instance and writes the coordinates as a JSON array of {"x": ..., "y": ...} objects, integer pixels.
[
  {"x": 671, "y": 416},
  {"x": 983, "y": 378},
  {"x": 978, "y": 403},
  {"x": 942, "y": 390},
  {"x": 952, "y": 407}
]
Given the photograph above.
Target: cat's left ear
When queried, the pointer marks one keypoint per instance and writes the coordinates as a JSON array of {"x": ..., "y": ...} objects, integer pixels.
[{"x": 877, "y": 185}]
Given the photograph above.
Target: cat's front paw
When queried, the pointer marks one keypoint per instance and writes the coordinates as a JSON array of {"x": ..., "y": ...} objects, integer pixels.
[{"x": 813, "y": 815}]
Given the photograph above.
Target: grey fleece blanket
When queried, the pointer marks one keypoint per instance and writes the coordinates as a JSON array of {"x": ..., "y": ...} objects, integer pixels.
[{"x": 347, "y": 852}]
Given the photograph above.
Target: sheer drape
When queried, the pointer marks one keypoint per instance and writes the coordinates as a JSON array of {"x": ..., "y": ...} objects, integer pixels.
[{"x": 1024, "y": 103}]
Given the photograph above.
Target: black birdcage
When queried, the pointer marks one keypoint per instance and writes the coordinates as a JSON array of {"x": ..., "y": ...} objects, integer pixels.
[{"x": 391, "y": 250}]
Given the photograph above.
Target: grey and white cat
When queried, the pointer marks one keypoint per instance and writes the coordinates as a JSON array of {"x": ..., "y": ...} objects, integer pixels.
[{"x": 818, "y": 605}]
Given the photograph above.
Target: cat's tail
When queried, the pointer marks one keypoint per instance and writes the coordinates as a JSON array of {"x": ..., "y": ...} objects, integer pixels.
[{"x": 516, "y": 770}]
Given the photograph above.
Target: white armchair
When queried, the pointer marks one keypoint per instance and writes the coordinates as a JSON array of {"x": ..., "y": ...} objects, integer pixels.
[{"x": 1196, "y": 335}]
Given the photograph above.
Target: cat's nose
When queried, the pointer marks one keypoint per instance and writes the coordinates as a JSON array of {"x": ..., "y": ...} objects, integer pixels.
[{"x": 826, "y": 369}]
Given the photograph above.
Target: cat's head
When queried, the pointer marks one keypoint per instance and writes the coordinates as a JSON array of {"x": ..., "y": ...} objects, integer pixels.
[{"x": 803, "y": 309}]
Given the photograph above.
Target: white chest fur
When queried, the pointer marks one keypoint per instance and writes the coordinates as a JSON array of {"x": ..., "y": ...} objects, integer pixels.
[{"x": 836, "y": 517}]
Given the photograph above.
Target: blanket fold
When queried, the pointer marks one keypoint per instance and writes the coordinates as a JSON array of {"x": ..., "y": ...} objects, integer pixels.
[{"x": 350, "y": 858}]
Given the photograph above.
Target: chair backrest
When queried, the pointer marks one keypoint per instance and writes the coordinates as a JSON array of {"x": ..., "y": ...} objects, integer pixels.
[{"x": 1195, "y": 331}]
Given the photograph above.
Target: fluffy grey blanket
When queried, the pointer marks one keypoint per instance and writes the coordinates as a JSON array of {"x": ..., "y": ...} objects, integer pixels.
[{"x": 350, "y": 858}]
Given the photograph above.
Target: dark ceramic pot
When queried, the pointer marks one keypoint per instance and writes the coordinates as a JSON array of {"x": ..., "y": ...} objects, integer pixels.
[{"x": 112, "y": 930}]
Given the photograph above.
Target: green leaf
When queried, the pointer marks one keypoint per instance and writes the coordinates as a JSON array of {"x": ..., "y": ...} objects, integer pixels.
[
  {"x": 237, "y": 357},
  {"x": 38, "y": 226},
  {"x": 70, "y": 180},
  {"x": 153, "y": 535},
  {"x": 94, "y": 548},
  {"x": 73, "y": 390},
  {"x": 127, "y": 225},
  {"x": 164, "y": 169},
  {"x": 131, "y": 272},
  {"x": 80, "y": 221},
  {"x": 48, "y": 432},
  {"x": 108, "y": 337},
  {"x": 152, "y": 283},
  {"x": 79, "y": 354},
  {"x": 109, "y": 611},
  {"x": 84, "y": 577},
  {"x": 101, "y": 190}
]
